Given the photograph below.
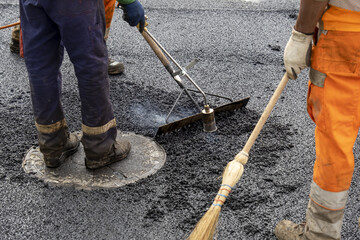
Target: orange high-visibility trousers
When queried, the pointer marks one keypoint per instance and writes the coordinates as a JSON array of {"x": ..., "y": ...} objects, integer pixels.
[
  {"x": 333, "y": 103},
  {"x": 109, "y": 11}
]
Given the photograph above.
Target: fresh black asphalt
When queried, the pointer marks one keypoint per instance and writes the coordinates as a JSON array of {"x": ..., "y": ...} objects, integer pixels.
[{"x": 240, "y": 46}]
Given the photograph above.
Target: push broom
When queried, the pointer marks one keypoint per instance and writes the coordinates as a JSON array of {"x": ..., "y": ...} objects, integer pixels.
[{"x": 205, "y": 228}]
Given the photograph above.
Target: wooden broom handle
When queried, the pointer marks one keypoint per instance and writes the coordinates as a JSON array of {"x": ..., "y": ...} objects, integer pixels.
[
  {"x": 10, "y": 25},
  {"x": 266, "y": 113}
]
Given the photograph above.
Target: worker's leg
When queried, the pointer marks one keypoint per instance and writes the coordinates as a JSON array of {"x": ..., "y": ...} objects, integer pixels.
[
  {"x": 82, "y": 27},
  {"x": 114, "y": 67},
  {"x": 334, "y": 105},
  {"x": 43, "y": 57},
  {"x": 109, "y": 12},
  {"x": 335, "y": 135}
]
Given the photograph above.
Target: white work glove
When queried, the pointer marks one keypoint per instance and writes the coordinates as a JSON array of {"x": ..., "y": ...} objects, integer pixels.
[{"x": 297, "y": 53}]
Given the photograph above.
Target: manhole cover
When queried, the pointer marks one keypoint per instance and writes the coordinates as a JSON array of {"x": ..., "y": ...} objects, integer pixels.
[{"x": 146, "y": 158}]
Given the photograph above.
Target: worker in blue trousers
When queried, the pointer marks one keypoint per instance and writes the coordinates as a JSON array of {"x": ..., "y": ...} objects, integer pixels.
[{"x": 79, "y": 26}]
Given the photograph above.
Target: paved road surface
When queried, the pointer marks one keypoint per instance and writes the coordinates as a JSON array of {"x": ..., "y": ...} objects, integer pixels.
[{"x": 240, "y": 46}]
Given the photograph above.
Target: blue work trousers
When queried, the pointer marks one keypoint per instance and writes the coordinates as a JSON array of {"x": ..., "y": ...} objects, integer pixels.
[{"x": 78, "y": 25}]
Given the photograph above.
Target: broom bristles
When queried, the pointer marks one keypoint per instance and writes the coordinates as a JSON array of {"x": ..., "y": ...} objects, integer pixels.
[{"x": 205, "y": 228}]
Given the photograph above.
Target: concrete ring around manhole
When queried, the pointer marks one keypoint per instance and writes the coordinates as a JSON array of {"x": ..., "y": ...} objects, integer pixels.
[{"x": 145, "y": 158}]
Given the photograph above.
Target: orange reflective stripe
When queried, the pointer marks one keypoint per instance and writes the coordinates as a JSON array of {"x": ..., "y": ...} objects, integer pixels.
[
  {"x": 340, "y": 19},
  {"x": 109, "y": 11}
]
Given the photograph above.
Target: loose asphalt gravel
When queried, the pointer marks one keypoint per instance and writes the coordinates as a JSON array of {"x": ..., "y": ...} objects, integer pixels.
[{"x": 240, "y": 46}]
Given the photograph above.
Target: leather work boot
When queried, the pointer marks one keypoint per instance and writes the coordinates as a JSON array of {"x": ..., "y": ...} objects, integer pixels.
[
  {"x": 287, "y": 230},
  {"x": 115, "y": 67},
  {"x": 15, "y": 39},
  {"x": 70, "y": 147},
  {"x": 119, "y": 151}
]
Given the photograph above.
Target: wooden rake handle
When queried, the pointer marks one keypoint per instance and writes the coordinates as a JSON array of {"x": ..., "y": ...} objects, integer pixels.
[
  {"x": 243, "y": 155},
  {"x": 159, "y": 53}
]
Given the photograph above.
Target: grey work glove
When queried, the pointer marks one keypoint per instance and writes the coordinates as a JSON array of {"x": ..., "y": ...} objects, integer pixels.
[{"x": 297, "y": 53}]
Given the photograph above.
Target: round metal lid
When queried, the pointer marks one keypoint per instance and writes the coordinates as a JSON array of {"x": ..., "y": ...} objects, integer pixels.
[{"x": 145, "y": 158}]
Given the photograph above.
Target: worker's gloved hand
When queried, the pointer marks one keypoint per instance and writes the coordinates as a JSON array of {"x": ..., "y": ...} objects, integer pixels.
[
  {"x": 134, "y": 14},
  {"x": 297, "y": 53}
]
